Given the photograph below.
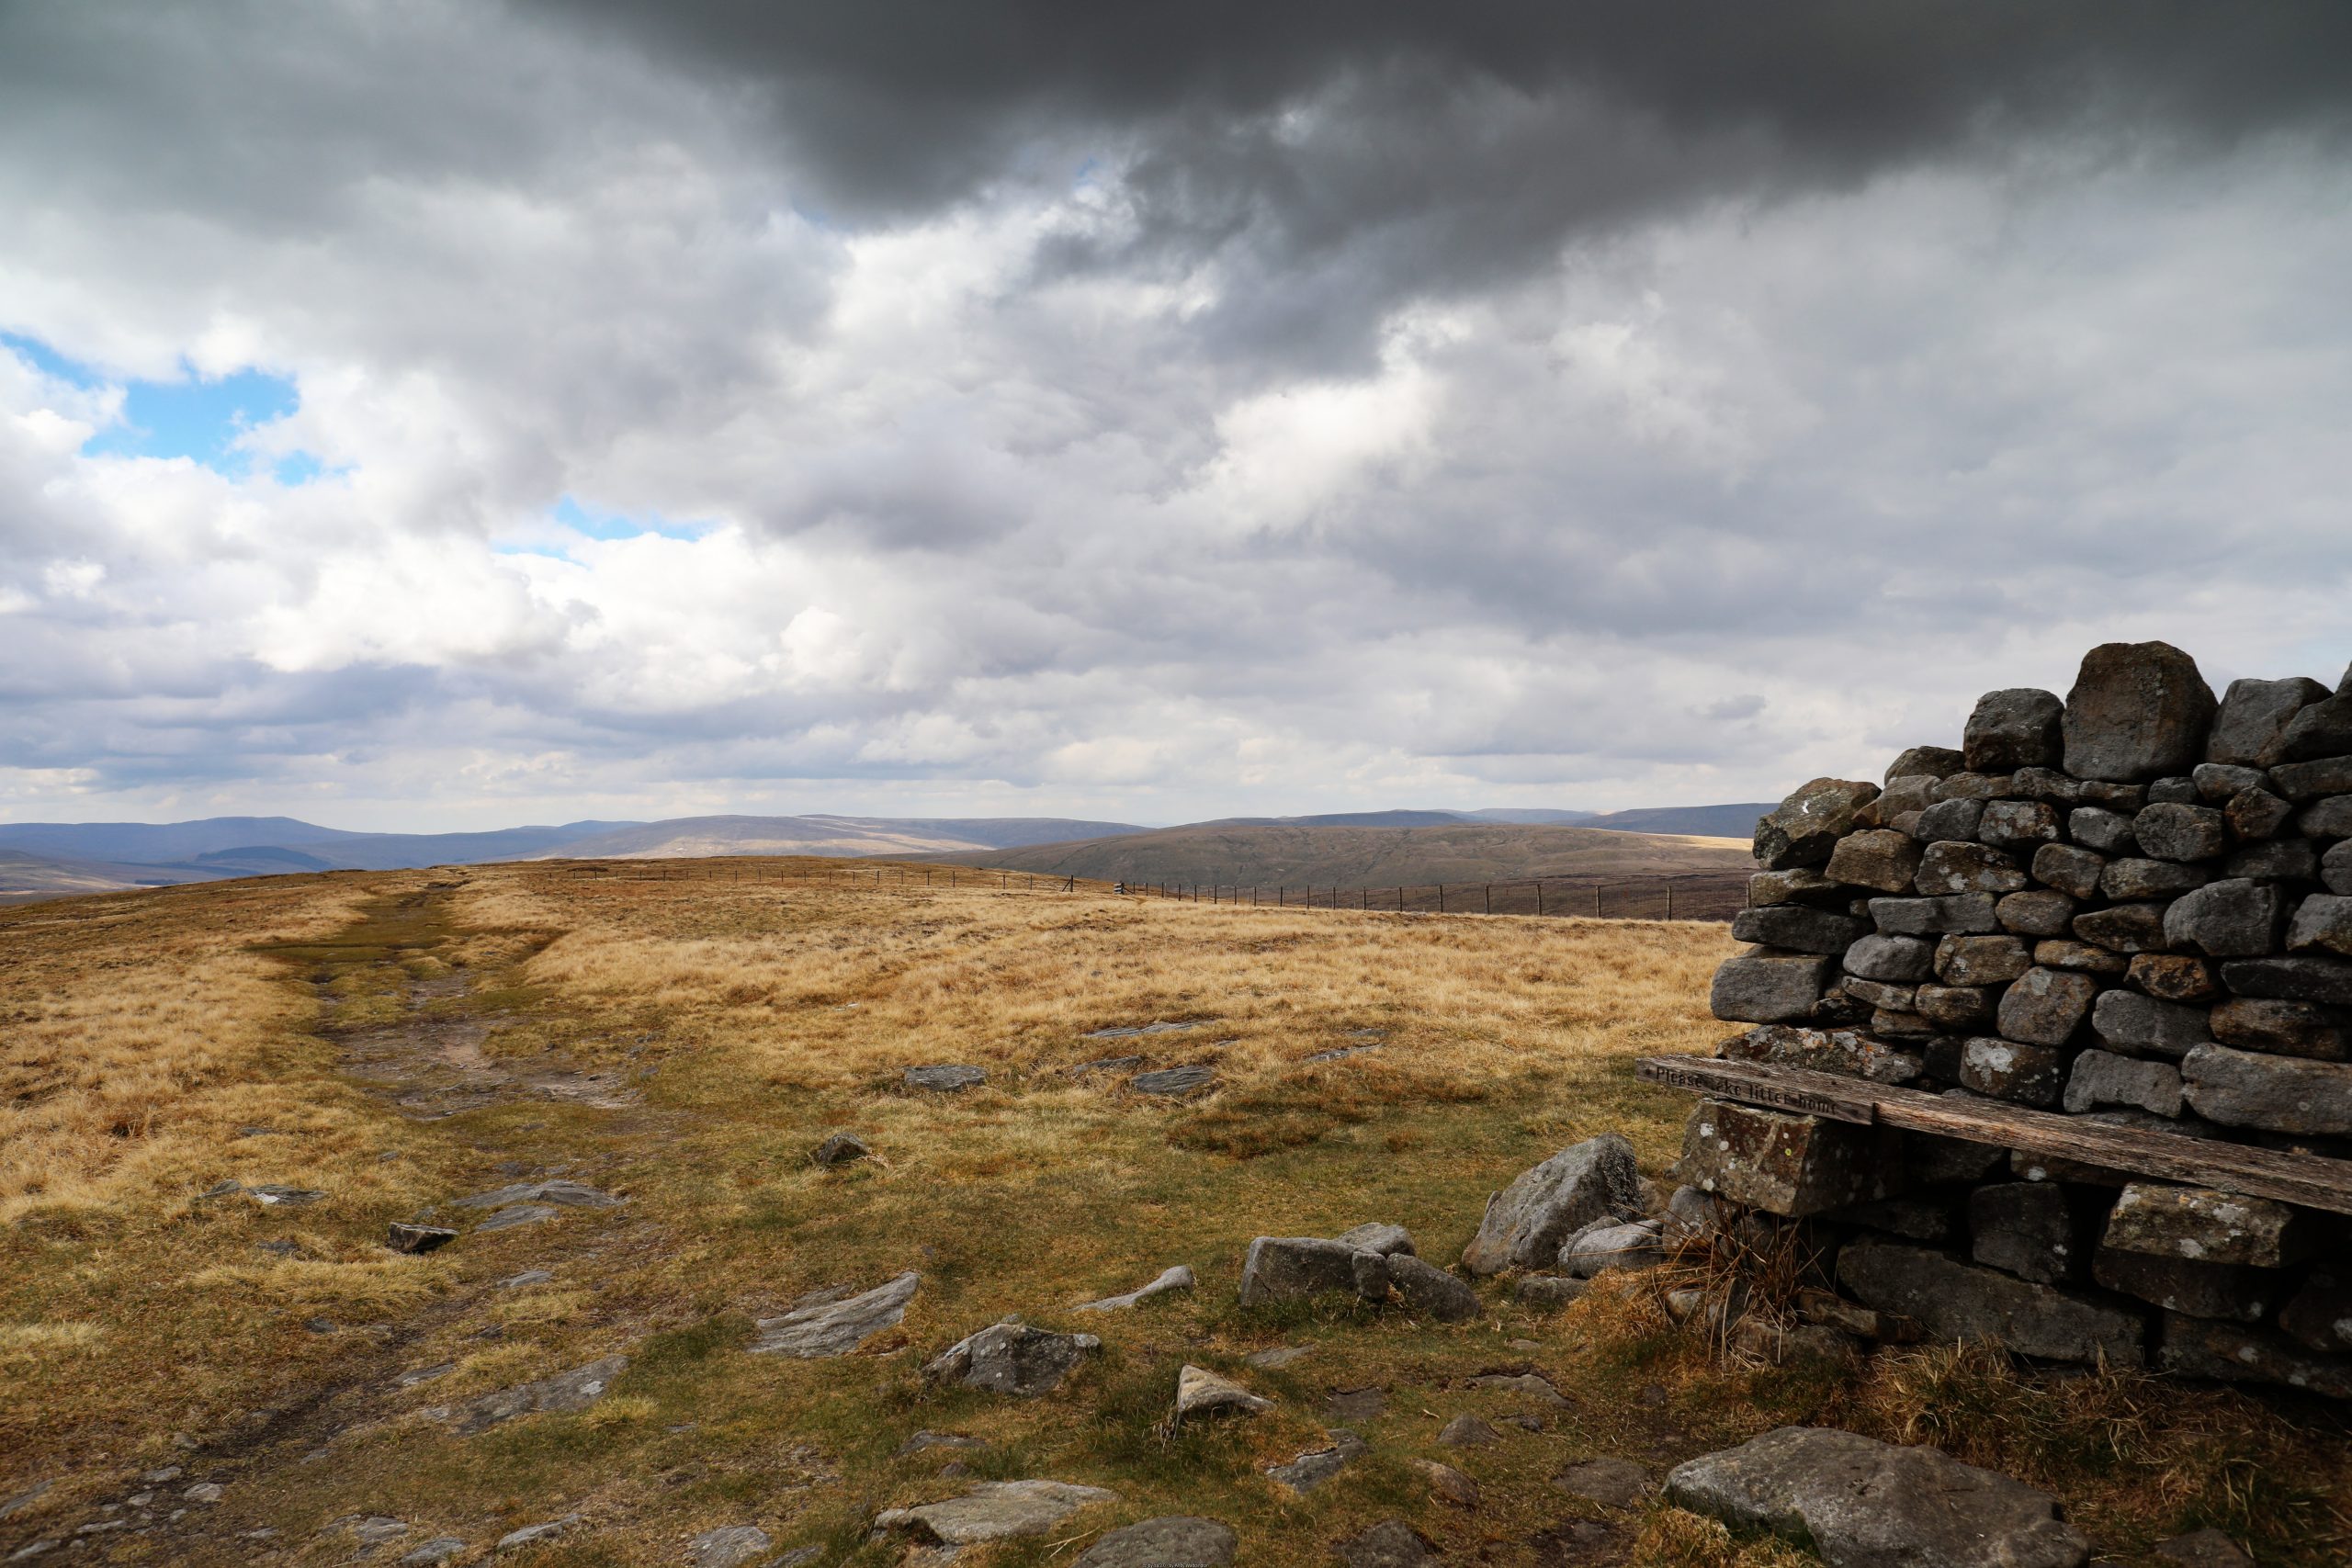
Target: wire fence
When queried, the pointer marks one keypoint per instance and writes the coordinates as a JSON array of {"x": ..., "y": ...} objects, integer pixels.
[{"x": 1683, "y": 895}]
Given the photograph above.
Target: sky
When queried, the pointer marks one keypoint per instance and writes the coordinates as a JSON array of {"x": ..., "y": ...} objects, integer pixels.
[{"x": 431, "y": 415}]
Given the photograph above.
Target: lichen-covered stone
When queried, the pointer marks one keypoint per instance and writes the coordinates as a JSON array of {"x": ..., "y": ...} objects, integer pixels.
[
  {"x": 1897, "y": 960},
  {"x": 1526, "y": 1222},
  {"x": 1961, "y": 913},
  {"x": 2250, "y": 726},
  {"x": 2201, "y": 1289},
  {"x": 2283, "y": 1028},
  {"x": 2279, "y": 1094},
  {"x": 1931, "y": 761},
  {"x": 1881, "y": 858},
  {"x": 2180, "y": 832},
  {"x": 2319, "y": 1317},
  {"x": 1981, "y": 960},
  {"x": 1975, "y": 786},
  {"x": 1880, "y": 993},
  {"x": 2255, "y": 814},
  {"x": 2135, "y": 877},
  {"x": 2138, "y": 710},
  {"x": 2172, "y": 976},
  {"x": 1299, "y": 1268},
  {"x": 2232, "y": 918},
  {"x": 2206, "y": 1347},
  {"x": 1955, "y": 1009},
  {"x": 1783, "y": 1163},
  {"x": 2037, "y": 912},
  {"x": 1766, "y": 985},
  {"x": 2026, "y": 1075},
  {"x": 1799, "y": 885},
  {"x": 2046, "y": 1006},
  {"x": 1796, "y": 928},
  {"x": 2124, "y": 928},
  {"x": 1804, "y": 828},
  {"x": 1843, "y": 1052},
  {"x": 1957, "y": 1301},
  {"x": 2206, "y": 1226},
  {"x": 1949, "y": 866},
  {"x": 2100, "y": 1078},
  {"x": 2139, "y": 1025},
  {"x": 2060, "y": 954},
  {"x": 2217, "y": 782},
  {"x": 2011, "y": 729},
  {"x": 2097, "y": 828},
  {"x": 1954, "y": 819},
  {"x": 2018, "y": 824}
]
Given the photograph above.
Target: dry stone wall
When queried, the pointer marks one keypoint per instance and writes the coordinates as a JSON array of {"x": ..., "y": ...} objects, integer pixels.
[{"x": 2132, "y": 906}]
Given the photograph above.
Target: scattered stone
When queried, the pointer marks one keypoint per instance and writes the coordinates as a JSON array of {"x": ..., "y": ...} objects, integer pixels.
[
  {"x": 1179, "y": 1278},
  {"x": 17, "y": 1503},
  {"x": 925, "y": 1441},
  {"x": 2126, "y": 928},
  {"x": 1804, "y": 828},
  {"x": 1763, "y": 985},
  {"x": 1391, "y": 1543},
  {"x": 2025, "y": 1228},
  {"x": 2240, "y": 1088},
  {"x": 2003, "y": 1069},
  {"x": 1468, "y": 1432},
  {"x": 1525, "y": 1223},
  {"x": 1294, "y": 1267},
  {"x": 2229, "y": 1352},
  {"x": 520, "y": 1214},
  {"x": 1278, "y": 1356},
  {"x": 1526, "y": 1385},
  {"x": 1786, "y": 1164},
  {"x": 527, "y": 1278},
  {"x": 2046, "y": 1006},
  {"x": 416, "y": 1376},
  {"x": 2201, "y": 1289},
  {"x": 1864, "y": 1504},
  {"x": 994, "y": 1510},
  {"x": 1429, "y": 1292},
  {"x": 1608, "y": 1243},
  {"x": 203, "y": 1492},
  {"x": 1011, "y": 1357},
  {"x": 1201, "y": 1392},
  {"x": 575, "y": 1390},
  {"x": 567, "y": 1194},
  {"x": 1348, "y": 1404},
  {"x": 2205, "y": 1227},
  {"x": 1448, "y": 1483},
  {"x": 371, "y": 1530},
  {"x": 1386, "y": 1239},
  {"x": 831, "y": 1322},
  {"x": 1126, "y": 1031},
  {"x": 1546, "y": 1293},
  {"x": 532, "y": 1535},
  {"x": 841, "y": 1148},
  {"x": 431, "y": 1553},
  {"x": 1176, "y": 1541},
  {"x": 1175, "y": 1082},
  {"x": 1612, "y": 1483},
  {"x": 946, "y": 1078},
  {"x": 274, "y": 1195},
  {"x": 1962, "y": 1300},
  {"x": 1105, "y": 1065},
  {"x": 414, "y": 1238},
  {"x": 1316, "y": 1466},
  {"x": 2208, "y": 1548}
]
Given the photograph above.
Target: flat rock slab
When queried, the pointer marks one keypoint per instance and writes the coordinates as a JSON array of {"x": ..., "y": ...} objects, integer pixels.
[
  {"x": 1178, "y": 1542},
  {"x": 826, "y": 1323},
  {"x": 1175, "y": 1081},
  {"x": 1355, "y": 1404},
  {"x": 1179, "y": 1278},
  {"x": 575, "y": 1390},
  {"x": 518, "y": 1214},
  {"x": 1105, "y": 1065},
  {"x": 531, "y": 1535},
  {"x": 1528, "y": 1385},
  {"x": 276, "y": 1195},
  {"x": 1391, "y": 1543},
  {"x": 731, "y": 1546},
  {"x": 567, "y": 1194},
  {"x": 1864, "y": 1504},
  {"x": 994, "y": 1510},
  {"x": 1612, "y": 1482},
  {"x": 431, "y": 1553},
  {"x": 1011, "y": 1358},
  {"x": 1128, "y": 1031},
  {"x": 1200, "y": 1391},
  {"x": 948, "y": 1079},
  {"x": 402, "y": 1236},
  {"x": 1278, "y": 1356},
  {"x": 1316, "y": 1466}
]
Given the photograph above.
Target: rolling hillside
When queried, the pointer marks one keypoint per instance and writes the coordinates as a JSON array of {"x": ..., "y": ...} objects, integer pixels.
[{"x": 688, "y": 837}]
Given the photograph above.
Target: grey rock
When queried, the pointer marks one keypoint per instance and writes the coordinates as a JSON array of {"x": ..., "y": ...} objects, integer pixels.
[
  {"x": 994, "y": 1510},
  {"x": 1897, "y": 960},
  {"x": 17, "y": 1502},
  {"x": 2083, "y": 956},
  {"x": 2132, "y": 877},
  {"x": 1954, "y": 821},
  {"x": 1391, "y": 1543},
  {"x": 2180, "y": 832},
  {"x": 729, "y": 1546},
  {"x": 278, "y": 1195},
  {"x": 1011, "y": 1357},
  {"x": 404, "y": 1237},
  {"x": 2250, "y": 727},
  {"x": 1429, "y": 1292},
  {"x": 2046, "y": 1006},
  {"x": 2024, "y": 1228},
  {"x": 2283, "y": 1028},
  {"x": 1763, "y": 985},
  {"x": 1179, "y": 1278},
  {"x": 2004, "y": 1069},
  {"x": 834, "y": 1322},
  {"x": 923, "y": 1441},
  {"x": 1949, "y": 867},
  {"x": 2309, "y": 781},
  {"x": 1917, "y": 1219},
  {"x": 564, "y": 1393},
  {"x": 2200, "y": 1290},
  {"x": 1976, "y": 786},
  {"x": 2335, "y": 868},
  {"x": 1871, "y": 993},
  {"x": 1796, "y": 929},
  {"x": 1929, "y": 761},
  {"x": 2320, "y": 1316},
  {"x": 1175, "y": 1541},
  {"x": 1296, "y": 1268},
  {"x": 1175, "y": 1081},
  {"x": 2206, "y": 1226},
  {"x": 1964, "y": 1300},
  {"x": 1278, "y": 1356},
  {"x": 532, "y": 1535},
  {"x": 2208, "y": 1548},
  {"x": 527, "y": 1278},
  {"x": 2125, "y": 928},
  {"x": 374, "y": 1529},
  {"x": 1525, "y": 1224},
  {"x": 949, "y": 1078},
  {"x": 1546, "y": 1293},
  {"x": 416, "y": 1376},
  {"x": 1612, "y": 1483},
  {"x": 1956, "y": 1009},
  {"x": 2229, "y": 1352},
  {"x": 1909, "y": 1028},
  {"x": 841, "y": 1149},
  {"x": 426, "y": 1554},
  {"x": 2137, "y": 711},
  {"x": 2297, "y": 977},
  {"x": 2321, "y": 923},
  {"x": 2278, "y": 1094},
  {"x": 1316, "y": 1466},
  {"x": 1863, "y": 1503},
  {"x": 2018, "y": 824},
  {"x": 1840, "y": 1050},
  {"x": 2323, "y": 729},
  {"x": 2280, "y": 860},
  {"x": 2142, "y": 1026},
  {"x": 1782, "y": 1164},
  {"x": 2015, "y": 728},
  {"x": 2097, "y": 828},
  {"x": 1468, "y": 1432},
  {"x": 1523, "y": 1385},
  {"x": 1612, "y": 1244},
  {"x": 1880, "y": 858},
  {"x": 2051, "y": 786},
  {"x": 1200, "y": 1391},
  {"x": 1981, "y": 960},
  {"x": 1965, "y": 913},
  {"x": 1105, "y": 1065},
  {"x": 564, "y": 1194},
  {"x": 2172, "y": 976},
  {"x": 2100, "y": 1077},
  {"x": 1804, "y": 828},
  {"x": 1912, "y": 792},
  {"x": 2036, "y": 912},
  {"x": 2217, "y": 782},
  {"x": 2070, "y": 869},
  {"x": 518, "y": 1214},
  {"x": 1799, "y": 885},
  {"x": 1379, "y": 1237},
  {"x": 2255, "y": 814}
]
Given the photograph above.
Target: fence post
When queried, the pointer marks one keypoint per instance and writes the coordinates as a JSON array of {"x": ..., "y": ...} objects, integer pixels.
[
  {"x": 1401, "y": 900},
  {"x": 1539, "y": 896},
  {"x": 1669, "y": 898},
  {"x": 1281, "y": 896},
  {"x": 1440, "y": 898},
  {"x": 1596, "y": 900},
  {"x": 1490, "y": 898}
]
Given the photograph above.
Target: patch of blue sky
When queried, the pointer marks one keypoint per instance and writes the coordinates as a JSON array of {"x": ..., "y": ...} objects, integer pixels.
[
  {"x": 198, "y": 417},
  {"x": 609, "y": 525}
]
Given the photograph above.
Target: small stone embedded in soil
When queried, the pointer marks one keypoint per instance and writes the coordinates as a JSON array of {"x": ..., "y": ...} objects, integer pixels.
[
  {"x": 575, "y": 1390},
  {"x": 373, "y": 1530},
  {"x": 416, "y": 1376},
  {"x": 1355, "y": 1404},
  {"x": 428, "y": 1554},
  {"x": 2208, "y": 1548},
  {"x": 531, "y": 1535},
  {"x": 1316, "y": 1466},
  {"x": 527, "y": 1278},
  {"x": 566, "y": 1194},
  {"x": 1612, "y": 1482},
  {"x": 1448, "y": 1483},
  {"x": 1179, "y": 1541},
  {"x": 520, "y": 1214},
  {"x": 729, "y": 1546},
  {"x": 1175, "y": 1081},
  {"x": 1278, "y": 1356},
  {"x": 273, "y": 1195},
  {"x": 1528, "y": 1385},
  {"x": 1391, "y": 1543},
  {"x": 828, "y": 1323},
  {"x": 945, "y": 1078},
  {"x": 1179, "y": 1278},
  {"x": 404, "y": 1236},
  {"x": 924, "y": 1441},
  {"x": 203, "y": 1492},
  {"x": 994, "y": 1510},
  {"x": 1201, "y": 1392},
  {"x": 840, "y": 1149},
  {"x": 1105, "y": 1065},
  {"x": 1468, "y": 1432},
  {"x": 1011, "y": 1358}
]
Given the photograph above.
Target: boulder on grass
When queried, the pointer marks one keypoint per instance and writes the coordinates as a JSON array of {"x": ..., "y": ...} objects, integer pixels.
[{"x": 1526, "y": 1222}]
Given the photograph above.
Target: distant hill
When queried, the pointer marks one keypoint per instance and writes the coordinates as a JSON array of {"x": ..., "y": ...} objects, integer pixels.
[
  {"x": 1737, "y": 821},
  {"x": 898, "y": 837},
  {"x": 1299, "y": 854},
  {"x": 25, "y": 876}
]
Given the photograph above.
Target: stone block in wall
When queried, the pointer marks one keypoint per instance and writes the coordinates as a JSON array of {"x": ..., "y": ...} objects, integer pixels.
[
  {"x": 2319, "y": 1315},
  {"x": 1880, "y": 859},
  {"x": 1981, "y": 960},
  {"x": 2069, "y": 868},
  {"x": 2135, "y": 876},
  {"x": 2200, "y": 1290},
  {"x": 2138, "y": 710},
  {"x": 1762, "y": 986},
  {"x": 1899, "y": 959},
  {"x": 1840, "y": 1050},
  {"x": 2100, "y": 1079},
  {"x": 1956, "y": 1009},
  {"x": 2321, "y": 730},
  {"x": 2125, "y": 928},
  {"x": 2217, "y": 782},
  {"x": 2172, "y": 976},
  {"x": 2097, "y": 828},
  {"x": 2295, "y": 977},
  {"x": 1909, "y": 793},
  {"x": 1786, "y": 1164},
  {"x": 2024, "y": 1228},
  {"x": 1799, "y": 885},
  {"x": 1975, "y": 786},
  {"x": 1962, "y": 912},
  {"x": 1950, "y": 866},
  {"x": 2321, "y": 923},
  {"x": 2229, "y": 1352},
  {"x": 2283, "y": 1028},
  {"x": 2088, "y": 957},
  {"x": 2037, "y": 911},
  {"x": 2136, "y": 1025},
  {"x": 1898, "y": 1024},
  {"x": 2046, "y": 1006},
  {"x": 1935, "y": 762},
  {"x": 2237, "y": 917},
  {"x": 2015, "y": 728},
  {"x": 2250, "y": 725},
  {"x": 2335, "y": 868},
  {"x": 2004, "y": 1069},
  {"x": 1933, "y": 1159},
  {"x": 1954, "y": 821},
  {"x": 2299, "y": 782},
  {"x": 1914, "y": 1219},
  {"x": 2206, "y": 1226},
  {"x": 2280, "y": 860},
  {"x": 2180, "y": 832},
  {"x": 1804, "y": 828},
  {"x": 1798, "y": 928},
  {"x": 1965, "y": 1301},
  {"x": 1942, "y": 1057},
  {"x": 2176, "y": 791},
  {"x": 2330, "y": 817},
  {"x": 2253, "y": 815},
  {"x": 2017, "y": 824},
  {"x": 1880, "y": 994},
  {"x": 2280, "y": 1094}
]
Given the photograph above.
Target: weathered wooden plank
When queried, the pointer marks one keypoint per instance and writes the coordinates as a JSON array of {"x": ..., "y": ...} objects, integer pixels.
[{"x": 2311, "y": 1181}]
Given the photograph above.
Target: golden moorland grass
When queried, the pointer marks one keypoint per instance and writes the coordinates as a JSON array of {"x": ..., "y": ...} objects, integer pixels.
[{"x": 686, "y": 1041}]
